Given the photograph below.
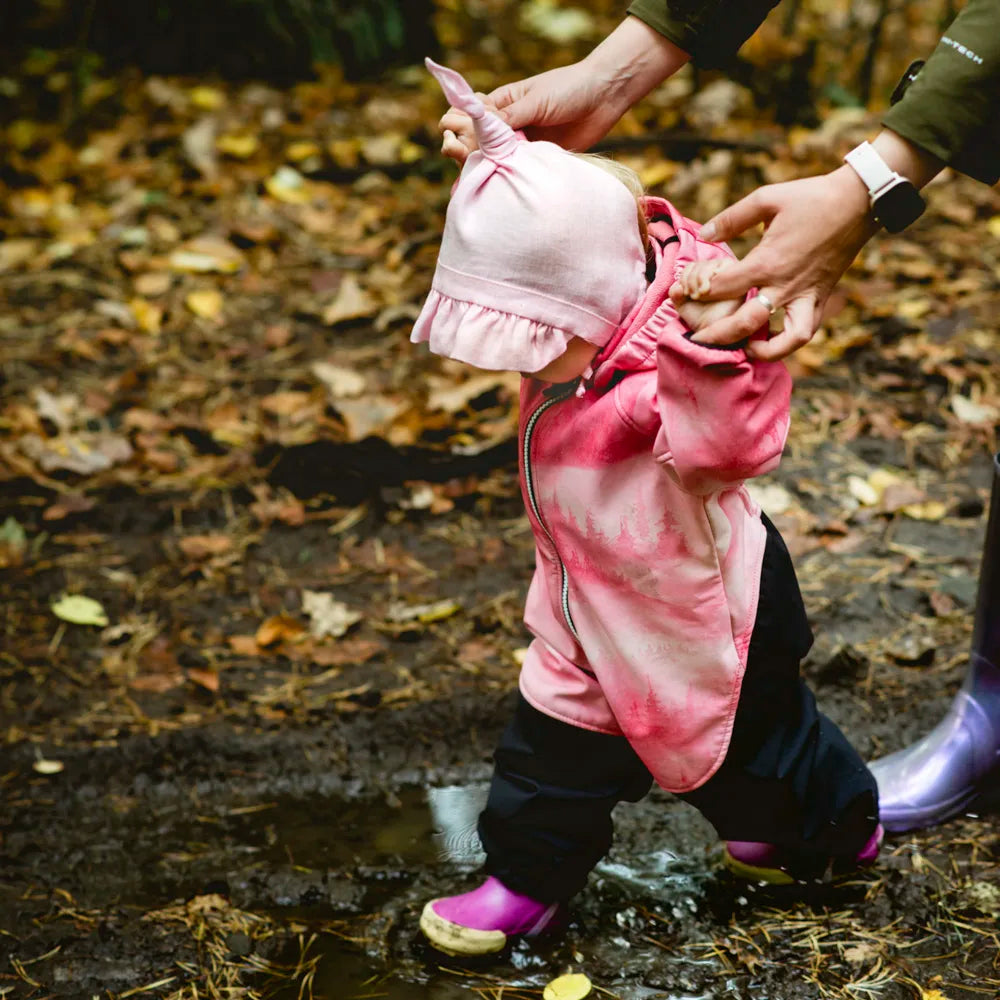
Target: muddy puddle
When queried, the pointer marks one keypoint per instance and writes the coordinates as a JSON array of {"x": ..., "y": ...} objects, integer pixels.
[
  {"x": 429, "y": 834},
  {"x": 295, "y": 863}
]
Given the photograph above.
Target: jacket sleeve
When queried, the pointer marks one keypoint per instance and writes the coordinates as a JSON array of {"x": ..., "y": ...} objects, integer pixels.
[
  {"x": 723, "y": 417},
  {"x": 951, "y": 108},
  {"x": 710, "y": 31}
]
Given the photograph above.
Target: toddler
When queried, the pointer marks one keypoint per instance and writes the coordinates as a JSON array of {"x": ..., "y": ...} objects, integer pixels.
[{"x": 668, "y": 624}]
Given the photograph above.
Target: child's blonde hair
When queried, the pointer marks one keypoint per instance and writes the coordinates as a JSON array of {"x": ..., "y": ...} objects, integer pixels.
[{"x": 630, "y": 179}]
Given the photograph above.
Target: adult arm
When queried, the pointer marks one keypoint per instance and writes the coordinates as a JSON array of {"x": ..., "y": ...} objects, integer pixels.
[
  {"x": 814, "y": 227},
  {"x": 576, "y": 105}
]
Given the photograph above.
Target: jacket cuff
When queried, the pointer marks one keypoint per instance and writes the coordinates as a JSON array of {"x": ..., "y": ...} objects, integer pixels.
[
  {"x": 710, "y": 31},
  {"x": 948, "y": 109}
]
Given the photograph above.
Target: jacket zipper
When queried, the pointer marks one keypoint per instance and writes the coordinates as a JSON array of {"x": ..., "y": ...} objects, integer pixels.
[{"x": 529, "y": 485}]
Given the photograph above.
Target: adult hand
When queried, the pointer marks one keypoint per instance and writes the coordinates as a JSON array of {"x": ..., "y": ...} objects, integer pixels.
[
  {"x": 576, "y": 105},
  {"x": 813, "y": 229}
]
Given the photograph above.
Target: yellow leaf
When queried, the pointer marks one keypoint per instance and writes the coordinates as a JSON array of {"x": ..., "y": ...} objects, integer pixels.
[
  {"x": 238, "y": 145},
  {"x": 575, "y": 986},
  {"x": 80, "y": 610},
  {"x": 425, "y": 613},
  {"x": 932, "y": 994},
  {"x": 43, "y": 766},
  {"x": 205, "y": 254},
  {"x": 147, "y": 316},
  {"x": 930, "y": 510},
  {"x": 207, "y": 98},
  {"x": 657, "y": 173},
  {"x": 993, "y": 225},
  {"x": 289, "y": 186},
  {"x": 204, "y": 302},
  {"x": 913, "y": 308},
  {"x": 299, "y": 151},
  {"x": 345, "y": 152}
]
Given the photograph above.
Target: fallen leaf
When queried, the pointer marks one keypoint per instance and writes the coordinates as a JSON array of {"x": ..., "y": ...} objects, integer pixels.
[
  {"x": 575, "y": 986},
  {"x": 351, "y": 302},
  {"x": 348, "y": 651},
  {"x": 970, "y": 412},
  {"x": 198, "y": 143},
  {"x": 560, "y": 25},
  {"x": 929, "y": 510},
  {"x": 772, "y": 498},
  {"x": 13, "y": 543},
  {"x": 205, "y": 546},
  {"x": 286, "y": 404},
  {"x": 243, "y": 645},
  {"x": 205, "y": 302},
  {"x": 207, "y": 679},
  {"x": 80, "y": 610},
  {"x": 148, "y": 317},
  {"x": 277, "y": 629},
  {"x": 241, "y": 146},
  {"x": 288, "y": 186},
  {"x": 64, "y": 507},
  {"x": 43, "y": 766},
  {"x": 341, "y": 382},
  {"x": 862, "y": 491},
  {"x": 370, "y": 415},
  {"x": 425, "y": 613},
  {"x": 205, "y": 255},
  {"x": 327, "y": 615},
  {"x": 453, "y": 398},
  {"x": 207, "y": 98},
  {"x": 859, "y": 954}
]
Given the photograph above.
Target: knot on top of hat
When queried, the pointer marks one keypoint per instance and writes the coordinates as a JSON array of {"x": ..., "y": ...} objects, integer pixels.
[{"x": 495, "y": 137}]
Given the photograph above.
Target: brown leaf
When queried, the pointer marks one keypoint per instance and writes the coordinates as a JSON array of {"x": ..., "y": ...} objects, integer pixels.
[
  {"x": 346, "y": 652},
  {"x": 207, "y": 679},
  {"x": 277, "y": 629},
  {"x": 205, "y": 546},
  {"x": 66, "y": 505},
  {"x": 243, "y": 645}
]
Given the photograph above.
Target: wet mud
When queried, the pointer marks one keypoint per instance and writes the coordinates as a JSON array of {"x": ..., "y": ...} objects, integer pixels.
[{"x": 283, "y": 845}]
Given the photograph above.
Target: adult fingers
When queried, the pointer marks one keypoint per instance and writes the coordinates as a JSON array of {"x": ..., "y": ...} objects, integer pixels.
[
  {"x": 453, "y": 148},
  {"x": 800, "y": 324},
  {"x": 739, "y": 217}
]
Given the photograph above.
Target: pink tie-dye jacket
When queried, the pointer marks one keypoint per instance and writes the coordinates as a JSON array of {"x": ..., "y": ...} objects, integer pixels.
[{"x": 649, "y": 546}]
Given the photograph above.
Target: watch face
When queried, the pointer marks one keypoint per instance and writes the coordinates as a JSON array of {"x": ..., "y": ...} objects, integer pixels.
[{"x": 899, "y": 206}]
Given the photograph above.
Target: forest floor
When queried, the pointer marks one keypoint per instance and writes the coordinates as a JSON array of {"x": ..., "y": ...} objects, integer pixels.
[{"x": 262, "y": 565}]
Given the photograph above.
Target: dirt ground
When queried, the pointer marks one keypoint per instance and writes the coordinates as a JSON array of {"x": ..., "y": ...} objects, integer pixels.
[
  {"x": 198, "y": 839},
  {"x": 243, "y": 763}
]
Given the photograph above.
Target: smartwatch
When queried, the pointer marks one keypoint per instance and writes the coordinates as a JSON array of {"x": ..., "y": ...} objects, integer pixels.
[{"x": 894, "y": 200}]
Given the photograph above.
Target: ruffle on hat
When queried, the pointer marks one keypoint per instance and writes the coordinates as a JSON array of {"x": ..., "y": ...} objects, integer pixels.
[
  {"x": 539, "y": 247},
  {"x": 485, "y": 337}
]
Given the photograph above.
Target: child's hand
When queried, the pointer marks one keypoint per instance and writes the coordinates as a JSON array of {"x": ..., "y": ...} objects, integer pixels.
[
  {"x": 694, "y": 282},
  {"x": 458, "y": 134}
]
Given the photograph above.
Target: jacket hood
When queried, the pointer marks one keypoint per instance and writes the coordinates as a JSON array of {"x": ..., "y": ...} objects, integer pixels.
[{"x": 674, "y": 242}]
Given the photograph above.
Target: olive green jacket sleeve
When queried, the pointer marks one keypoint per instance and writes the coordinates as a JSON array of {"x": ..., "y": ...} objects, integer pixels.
[
  {"x": 952, "y": 108},
  {"x": 709, "y": 31}
]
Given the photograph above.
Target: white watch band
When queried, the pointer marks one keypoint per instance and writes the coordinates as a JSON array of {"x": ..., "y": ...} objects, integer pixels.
[{"x": 875, "y": 173}]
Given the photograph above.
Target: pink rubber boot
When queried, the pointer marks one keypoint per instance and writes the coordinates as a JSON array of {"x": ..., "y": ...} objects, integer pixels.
[
  {"x": 759, "y": 862},
  {"x": 480, "y": 922}
]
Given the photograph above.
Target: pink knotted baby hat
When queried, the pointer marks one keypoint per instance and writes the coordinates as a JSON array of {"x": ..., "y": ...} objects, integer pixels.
[{"x": 539, "y": 246}]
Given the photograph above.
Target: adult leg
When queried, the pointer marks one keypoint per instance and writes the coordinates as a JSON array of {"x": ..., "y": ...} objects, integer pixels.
[{"x": 943, "y": 773}]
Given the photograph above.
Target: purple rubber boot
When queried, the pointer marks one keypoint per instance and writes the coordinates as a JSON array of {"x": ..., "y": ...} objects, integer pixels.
[
  {"x": 480, "y": 922},
  {"x": 760, "y": 862},
  {"x": 943, "y": 773}
]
